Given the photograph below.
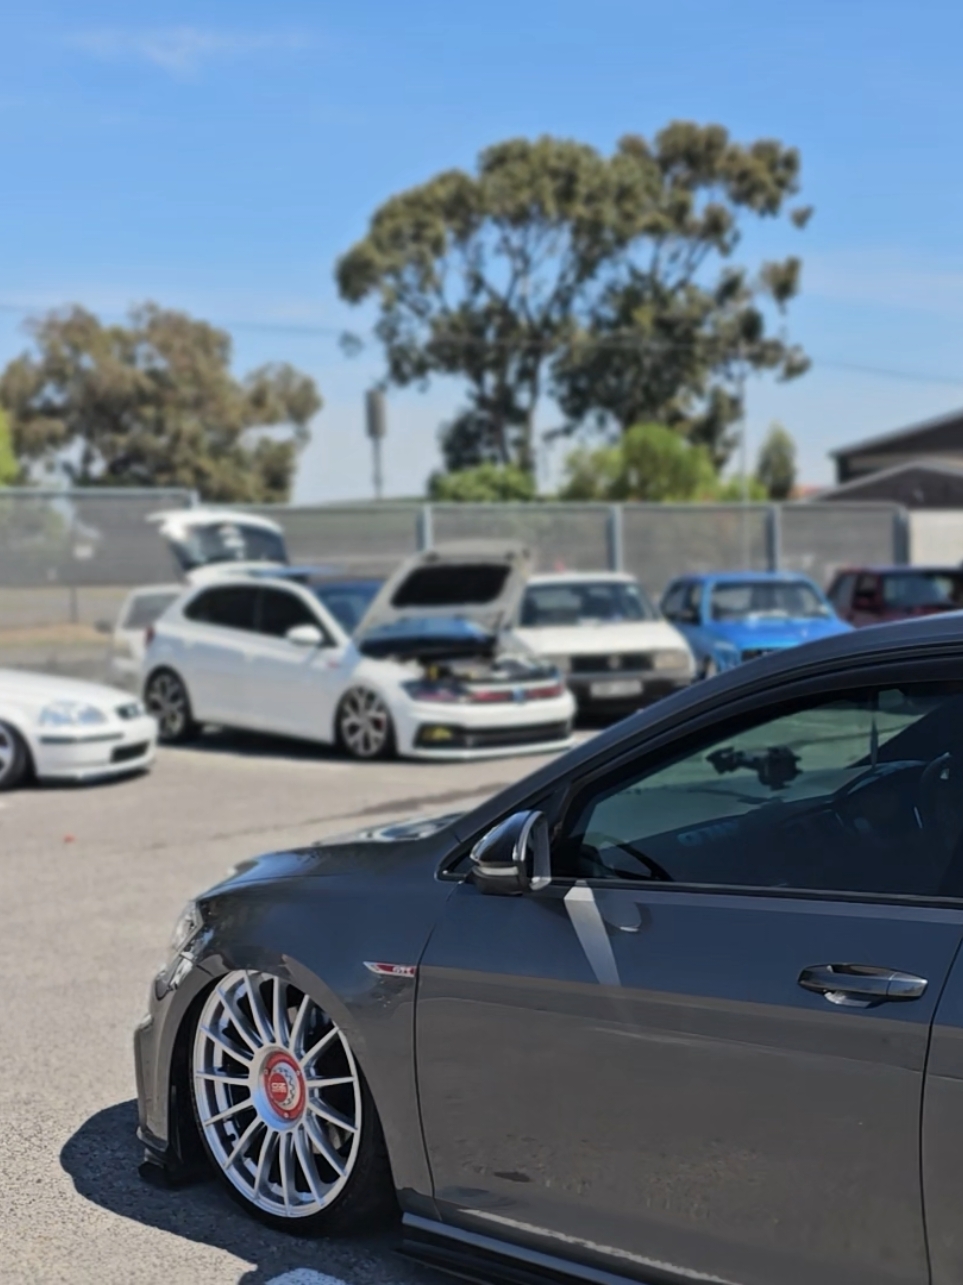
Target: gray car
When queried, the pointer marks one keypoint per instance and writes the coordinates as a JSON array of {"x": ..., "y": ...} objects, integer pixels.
[{"x": 685, "y": 1005}]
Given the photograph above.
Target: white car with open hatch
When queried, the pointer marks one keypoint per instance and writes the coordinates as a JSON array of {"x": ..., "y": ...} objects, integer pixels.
[
  {"x": 431, "y": 669},
  {"x": 55, "y": 728}
]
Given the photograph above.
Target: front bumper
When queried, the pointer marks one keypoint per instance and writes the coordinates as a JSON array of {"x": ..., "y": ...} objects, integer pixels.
[
  {"x": 432, "y": 730},
  {"x": 588, "y": 688},
  {"x": 86, "y": 754}
]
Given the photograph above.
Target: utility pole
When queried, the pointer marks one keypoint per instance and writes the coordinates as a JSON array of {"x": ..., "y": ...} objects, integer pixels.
[
  {"x": 377, "y": 426},
  {"x": 744, "y": 469}
]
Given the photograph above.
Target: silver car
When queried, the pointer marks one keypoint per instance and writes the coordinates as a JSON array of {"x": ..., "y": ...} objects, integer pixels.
[{"x": 685, "y": 1005}]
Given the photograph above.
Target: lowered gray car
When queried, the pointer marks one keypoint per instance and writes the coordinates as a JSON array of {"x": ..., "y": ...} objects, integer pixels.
[{"x": 685, "y": 1005}]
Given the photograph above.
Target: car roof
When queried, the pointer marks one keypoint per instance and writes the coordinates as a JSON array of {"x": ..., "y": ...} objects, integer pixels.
[
  {"x": 895, "y": 568},
  {"x": 743, "y": 577},
  {"x": 567, "y": 577}
]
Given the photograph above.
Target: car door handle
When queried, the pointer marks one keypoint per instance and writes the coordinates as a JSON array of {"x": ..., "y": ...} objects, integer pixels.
[{"x": 859, "y": 985}]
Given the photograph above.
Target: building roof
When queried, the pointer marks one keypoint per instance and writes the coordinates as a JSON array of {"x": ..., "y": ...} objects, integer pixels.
[
  {"x": 908, "y": 436},
  {"x": 884, "y": 484}
]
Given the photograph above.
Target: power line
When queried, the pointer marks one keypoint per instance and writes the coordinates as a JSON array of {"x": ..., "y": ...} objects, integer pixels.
[{"x": 613, "y": 342}]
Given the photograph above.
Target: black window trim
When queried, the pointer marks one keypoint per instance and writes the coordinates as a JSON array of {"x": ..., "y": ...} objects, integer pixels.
[
  {"x": 559, "y": 799},
  {"x": 208, "y": 591},
  {"x": 306, "y": 600}
]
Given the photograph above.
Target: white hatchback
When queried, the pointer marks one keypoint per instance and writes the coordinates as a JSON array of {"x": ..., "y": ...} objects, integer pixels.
[
  {"x": 430, "y": 671},
  {"x": 603, "y": 632}
]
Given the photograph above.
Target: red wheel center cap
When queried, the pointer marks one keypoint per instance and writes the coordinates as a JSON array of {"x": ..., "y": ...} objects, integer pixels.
[{"x": 283, "y": 1085}]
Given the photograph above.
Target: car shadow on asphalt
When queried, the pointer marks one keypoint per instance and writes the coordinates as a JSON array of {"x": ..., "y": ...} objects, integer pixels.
[{"x": 102, "y": 1157}]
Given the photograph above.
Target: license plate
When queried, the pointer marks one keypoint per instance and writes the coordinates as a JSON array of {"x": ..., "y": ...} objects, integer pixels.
[{"x": 616, "y": 687}]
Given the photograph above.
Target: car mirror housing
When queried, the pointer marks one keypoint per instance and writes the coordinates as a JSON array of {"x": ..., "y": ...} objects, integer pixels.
[
  {"x": 305, "y": 636},
  {"x": 514, "y": 856}
]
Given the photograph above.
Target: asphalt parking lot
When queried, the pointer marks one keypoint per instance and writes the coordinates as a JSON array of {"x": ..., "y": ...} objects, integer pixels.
[{"x": 91, "y": 881}]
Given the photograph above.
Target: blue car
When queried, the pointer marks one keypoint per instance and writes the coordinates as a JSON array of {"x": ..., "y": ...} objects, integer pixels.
[{"x": 731, "y": 617}]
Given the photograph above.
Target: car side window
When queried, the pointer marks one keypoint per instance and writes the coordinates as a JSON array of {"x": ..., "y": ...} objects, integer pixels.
[
  {"x": 673, "y": 600},
  {"x": 866, "y": 592},
  {"x": 280, "y": 611},
  {"x": 841, "y": 591},
  {"x": 853, "y": 793},
  {"x": 231, "y": 606},
  {"x": 692, "y": 604}
]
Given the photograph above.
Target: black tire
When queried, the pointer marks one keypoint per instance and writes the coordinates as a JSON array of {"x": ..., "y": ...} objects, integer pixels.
[
  {"x": 14, "y": 758},
  {"x": 167, "y": 698},
  {"x": 364, "y": 727},
  {"x": 367, "y": 1196}
]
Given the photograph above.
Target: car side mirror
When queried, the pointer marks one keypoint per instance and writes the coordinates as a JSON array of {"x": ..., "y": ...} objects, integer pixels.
[
  {"x": 305, "y": 636},
  {"x": 514, "y": 856}
]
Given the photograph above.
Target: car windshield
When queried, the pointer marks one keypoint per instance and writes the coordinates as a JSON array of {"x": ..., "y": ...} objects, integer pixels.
[
  {"x": 909, "y": 589},
  {"x": 787, "y": 599},
  {"x": 199, "y": 546},
  {"x": 145, "y": 608},
  {"x": 347, "y": 600},
  {"x": 585, "y": 602}
]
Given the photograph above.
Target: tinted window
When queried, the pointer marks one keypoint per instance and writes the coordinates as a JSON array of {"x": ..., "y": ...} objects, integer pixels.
[
  {"x": 584, "y": 602},
  {"x": 908, "y": 589},
  {"x": 673, "y": 600},
  {"x": 841, "y": 591},
  {"x": 348, "y": 600},
  {"x": 860, "y": 793},
  {"x": 794, "y": 599},
  {"x": 465, "y": 584},
  {"x": 146, "y": 608},
  {"x": 280, "y": 611},
  {"x": 231, "y": 606}
]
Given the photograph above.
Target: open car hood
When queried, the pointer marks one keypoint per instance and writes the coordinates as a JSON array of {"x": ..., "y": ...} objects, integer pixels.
[{"x": 480, "y": 582}]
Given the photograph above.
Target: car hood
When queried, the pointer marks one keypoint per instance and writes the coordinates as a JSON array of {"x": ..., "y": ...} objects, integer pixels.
[
  {"x": 480, "y": 581},
  {"x": 603, "y": 639},
  {"x": 28, "y": 690},
  {"x": 770, "y": 631}
]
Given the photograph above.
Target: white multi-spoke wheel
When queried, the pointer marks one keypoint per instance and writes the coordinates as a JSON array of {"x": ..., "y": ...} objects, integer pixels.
[
  {"x": 364, "y": 724},
  {"x": 166, "y": 698},
  {"x": 283, "y": 1109},
  {"x": 14, "y": 758}
]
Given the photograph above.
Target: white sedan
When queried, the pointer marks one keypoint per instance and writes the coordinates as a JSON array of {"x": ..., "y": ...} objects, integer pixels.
[
  {"x": 62, "y": 729},
  {"x": 429, "y": 671}
]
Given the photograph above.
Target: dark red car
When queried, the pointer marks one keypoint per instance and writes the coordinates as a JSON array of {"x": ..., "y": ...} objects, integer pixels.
[{"x": 870, "y": 595}]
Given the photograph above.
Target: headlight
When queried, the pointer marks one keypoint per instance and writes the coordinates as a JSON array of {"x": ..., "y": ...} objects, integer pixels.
[
  {"x": 189, "y": 922},
  {"x": 133, "y": 709},
  {"x": 426, "y": 690},
  {"x": 71, "y": 714},
  {"x": 671, "y": 660}
]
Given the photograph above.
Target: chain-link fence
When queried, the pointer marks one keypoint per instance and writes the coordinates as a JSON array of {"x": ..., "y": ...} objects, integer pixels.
[{"x": 67, "y": 559}]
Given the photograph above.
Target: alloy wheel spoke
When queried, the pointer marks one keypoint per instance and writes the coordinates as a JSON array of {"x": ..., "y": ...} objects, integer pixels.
[
  {"x": 316, "y": 1049},
  {"x": 305, "y": 1157},
  {"x": 259, "y": 1012},
  {"x": 333, "y": 1117},
  {"x": 330, "y": 1082},
  {"x": 221, "y": 1078},
  {"x": 286, "y": 1168},
  {"x": 264, "y": 1161},
  {"x": 241, "y": 1024},
  {"x": 246, "y": 1105},
  {"x": 317, "y": 1136},
  {"x": 244, "y": 1141},
  {"x": 230, "y": 1048},
  {"x": 280, "y": 1016}
]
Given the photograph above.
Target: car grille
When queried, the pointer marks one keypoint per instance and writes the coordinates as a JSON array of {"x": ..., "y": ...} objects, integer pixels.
[
  {"x": 753, "y": 653},
  {"x": 126, "y": 753},
  {"x": 489, "y": 738},
  {"x": 613, "y": 663}
]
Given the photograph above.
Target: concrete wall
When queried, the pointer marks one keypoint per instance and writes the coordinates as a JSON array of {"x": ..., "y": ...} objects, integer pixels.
[{"x": 936, "y": 536}]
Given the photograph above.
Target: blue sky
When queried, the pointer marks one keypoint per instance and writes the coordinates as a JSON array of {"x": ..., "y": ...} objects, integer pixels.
[{"x": 218, "y": 157}]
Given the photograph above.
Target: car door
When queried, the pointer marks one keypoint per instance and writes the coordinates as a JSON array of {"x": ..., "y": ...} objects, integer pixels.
[
  {"x": 686, "y": 1056},
  {"x": 292, "y": 688},
  {"x": 215, "y": 648}
]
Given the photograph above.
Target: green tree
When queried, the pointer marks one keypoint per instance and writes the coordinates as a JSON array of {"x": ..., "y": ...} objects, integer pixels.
[
  {"x": 9, "y": 468},
  {"x": 154, "y": 403},
  {"x": 553, "y": 267},
  {"x": 776, "y": 465},
  {"x": 648, "y": 462},
  {"x": 482, "y": 484},
  {"x": 679, "y": 325}
]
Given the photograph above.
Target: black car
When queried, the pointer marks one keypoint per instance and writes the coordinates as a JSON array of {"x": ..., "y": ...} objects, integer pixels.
[{"x": 686, "y": 1004}]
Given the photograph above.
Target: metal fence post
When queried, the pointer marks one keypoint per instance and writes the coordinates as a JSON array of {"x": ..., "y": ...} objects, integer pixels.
[
  {"x": 426, "y": 528},
  {"x": 774, "y": 537},
  {"x": 616, "y": 540}
]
